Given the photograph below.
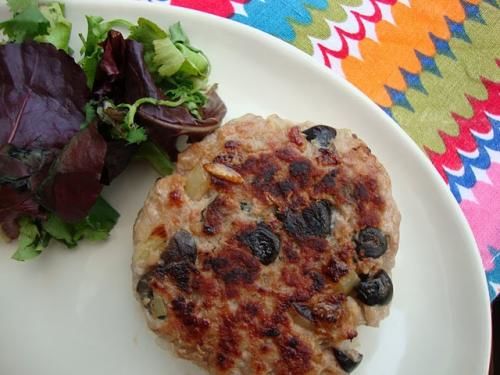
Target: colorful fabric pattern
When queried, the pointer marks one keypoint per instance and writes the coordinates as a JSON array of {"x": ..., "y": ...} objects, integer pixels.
[{"x": 433, "y": 66}]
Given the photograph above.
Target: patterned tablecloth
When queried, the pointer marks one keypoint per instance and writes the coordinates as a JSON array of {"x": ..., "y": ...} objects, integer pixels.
[{"x": 432, "y": 65}]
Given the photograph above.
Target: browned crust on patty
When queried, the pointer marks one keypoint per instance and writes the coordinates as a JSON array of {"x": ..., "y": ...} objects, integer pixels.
[{"x": 238, "y": 310}]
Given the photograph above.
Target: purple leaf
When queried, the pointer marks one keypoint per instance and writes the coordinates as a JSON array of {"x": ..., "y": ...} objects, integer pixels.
[
  {"x": 163, "y": 124},
  {"x": 13, "y": 205},
  {"x": 118, "y": 155},
  {"x": 42, "y": 96},
  {"x": 109, "y": 74},
  {"x": 22, "y": 168},
  {"x": 74, "y": 182}
]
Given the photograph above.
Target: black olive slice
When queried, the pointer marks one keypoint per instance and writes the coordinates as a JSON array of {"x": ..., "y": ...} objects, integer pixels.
[
  {"x": 371, "y": 243},
  {"x": 263, "y": 243},
  {"x": 315, "y": 220},
  {"x": 376, "y": 289},
  {"x": 322, "y": 134},
  {"x": 181, "y": 247},
  {"x": 348, "y": 360}
]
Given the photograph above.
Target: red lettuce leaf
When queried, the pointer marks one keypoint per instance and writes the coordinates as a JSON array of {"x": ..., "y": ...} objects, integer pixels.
[
  {"x": 23, "y": 169},
  {"x": 109, "y": 74},
  {"x": 42, "y": 96},
  {"x": 13, "y": 205},
  {"x": 118, "y": 155},
  {"x": 163, "y": 124},
  {"x": 73, "y": 185}
]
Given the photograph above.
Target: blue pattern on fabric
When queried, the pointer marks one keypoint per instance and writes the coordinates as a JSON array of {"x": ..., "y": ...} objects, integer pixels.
[
  {"x": 482, "y": 161},
  {"x": 493, "y": 276},
  {"x": 458, "y": 30},
  {"x": 399, "y": 98},
  {"x": 273, "y": 16},
  {"x": 413, "y": 80},
  {"x": 428, "y": 64},
  {"x": 442, "y": 46}
]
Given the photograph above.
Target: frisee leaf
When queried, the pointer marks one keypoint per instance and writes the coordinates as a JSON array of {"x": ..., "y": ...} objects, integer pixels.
[
  {"x": 185, "y": 90},
  {"x": 121, "y": 117},
  {"x": 158, "y": 159}
]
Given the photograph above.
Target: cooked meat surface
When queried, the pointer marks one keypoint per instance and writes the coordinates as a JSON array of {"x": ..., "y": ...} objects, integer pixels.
[{"x": 267, "y": 248}]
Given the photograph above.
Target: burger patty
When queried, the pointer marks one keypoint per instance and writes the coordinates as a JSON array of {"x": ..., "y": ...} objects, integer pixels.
[{"x": 267, "y": 247}]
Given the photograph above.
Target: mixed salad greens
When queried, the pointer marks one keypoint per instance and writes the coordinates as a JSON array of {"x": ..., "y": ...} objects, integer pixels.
[{"x": 68, "y": 128}]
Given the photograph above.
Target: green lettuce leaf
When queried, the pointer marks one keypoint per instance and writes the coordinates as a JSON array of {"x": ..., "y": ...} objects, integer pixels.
[
  {"x": 146, "y": 32},
  {"x": 99, "y": 222},
  {"x": 35, "y": 236},
  {"x": 158, "y": 159},
  {"x": 168, "y": 53},
  {"x": 42, "y": 23},
  {"x": 196, "y": 63},
  {"x": 31, "y": 242},
  {"x": 60, "y": 230},
  {"x": 167, "y": 58},
  {"x": 95, "y": 227},
  {"x": 17, "y": 6},
  {"x": 59, "y": 30},
  {"x": 27, "y": 21},
  {"x": 177, "y": 34}
]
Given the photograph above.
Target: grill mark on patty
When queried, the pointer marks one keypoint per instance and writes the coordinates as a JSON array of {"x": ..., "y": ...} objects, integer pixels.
[
  {"x": 159, "y": 231},
  {"x": 228, "y": 345},
  {"x": 184, "y": 312},
  {"x": 300, "y": 172},
  {"x": 215, "y": 214},
  {"x": 327, "y": 157},
  {"x": 234, "y": 267},
  {"x": 369, "y": 203},
  {"x": 295, "y": 355},
  {"x": 327, "y": 184},
  {"x": 288, "y": 154},
  {"x": 335, "y": 269},
  {"x": 175, "y": 198}
]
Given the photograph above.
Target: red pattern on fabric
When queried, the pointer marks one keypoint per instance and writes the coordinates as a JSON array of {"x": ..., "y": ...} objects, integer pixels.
[
  {"x": 343, "y": 52},
  {"x": 223, "y": 8},
  {"x": 464, "y": 140}
]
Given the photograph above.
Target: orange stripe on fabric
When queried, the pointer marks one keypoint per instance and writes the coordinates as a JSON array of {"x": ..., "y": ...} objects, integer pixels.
[{"x": 397, "y": 44}]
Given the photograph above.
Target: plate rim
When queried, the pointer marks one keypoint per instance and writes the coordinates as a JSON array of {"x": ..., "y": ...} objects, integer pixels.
[{"x": 452, "y": 206}]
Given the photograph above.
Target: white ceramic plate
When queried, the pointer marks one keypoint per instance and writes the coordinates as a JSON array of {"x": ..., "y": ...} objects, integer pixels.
[{"x": 73, "y": 312}]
